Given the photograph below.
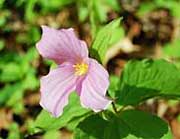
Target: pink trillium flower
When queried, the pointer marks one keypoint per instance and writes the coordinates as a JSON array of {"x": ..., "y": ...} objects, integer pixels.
[{"x": 75, "y": 72}]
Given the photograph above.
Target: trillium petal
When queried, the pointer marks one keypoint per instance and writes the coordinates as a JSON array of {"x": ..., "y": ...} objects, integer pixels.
[
  {"x": 61, "y": 45},
  {"x": 94, "y": 87},
  {"x": 56, "y": 87}
]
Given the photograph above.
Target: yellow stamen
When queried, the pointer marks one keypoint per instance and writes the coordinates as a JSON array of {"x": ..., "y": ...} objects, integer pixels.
[{"x": 80, "y": 69}]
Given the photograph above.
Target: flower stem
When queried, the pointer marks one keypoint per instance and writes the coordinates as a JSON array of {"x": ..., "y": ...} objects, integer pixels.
[
  {"x": 114, "y": 107},
  {"x": 121, "y": 109}
]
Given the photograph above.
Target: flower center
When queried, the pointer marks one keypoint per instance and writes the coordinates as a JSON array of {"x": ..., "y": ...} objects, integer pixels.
[{"x": 80, "y": 69}]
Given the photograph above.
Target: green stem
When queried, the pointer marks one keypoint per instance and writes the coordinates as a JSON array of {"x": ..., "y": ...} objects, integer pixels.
[
  {"x": 121, "y": 109},
  {"x": 114, "y": 107}
]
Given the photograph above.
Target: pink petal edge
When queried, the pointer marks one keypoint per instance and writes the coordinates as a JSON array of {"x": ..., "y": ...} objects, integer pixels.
[
  {"x": 61, "y": 45},
  {"x": 94, "y": 87},
  {"x": 56, "y": 88}
]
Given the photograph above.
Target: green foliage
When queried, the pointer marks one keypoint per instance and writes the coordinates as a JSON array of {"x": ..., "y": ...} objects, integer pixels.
[
  {"x": 52, "y": 134},
  {"x": 1, "y": 3},
  {"x": 73, "y": 110},
  {"x": 83, "y": 10},
  {"x": 91, "y": 128},
  {"x": 30, "y": 37},
  {"x": 54, "y": 5},
  {"x": 130, "y": 124},
  {"x": 114, "y": 4},
  {"x": 30, "y": 15},
  {"x": 172, "y": 49},
  {"x": 114, "y": 81},
  {"x": 19, "y": 75},
  {"x": 7, "y": 91},
  {"x": 172, "y": 5},
  {"x": 14, "y": 131},
  {"x": 5, "y": 14},
  {"x": 140, "y": 80},
  {"x": 104, "y": 39},
  {"x": 148, "y": 6},
  {"x": 145, "y": 79},
  {"x": 96, "y": 11},
  {"x": 10, "y": 72}
]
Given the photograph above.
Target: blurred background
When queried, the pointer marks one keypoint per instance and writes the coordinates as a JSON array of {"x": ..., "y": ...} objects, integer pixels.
[{"x": 148, "y": 29}]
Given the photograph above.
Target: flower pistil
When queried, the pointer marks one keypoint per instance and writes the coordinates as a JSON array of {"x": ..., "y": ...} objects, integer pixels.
[{"x": 80, "y": 69}]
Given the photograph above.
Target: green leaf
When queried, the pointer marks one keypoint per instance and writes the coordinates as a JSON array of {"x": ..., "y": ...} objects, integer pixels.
[
  {"x": 46, "y": 122},
  {"x": 133, "y": 124},
  {"x": 54, "y": 5},
  {"x": 1, "y": 3},
  {"x": 31, "y": 55},
  {"x": 172, "y": 49},
  {"x": 118, "y": 34},
  {"x": 16, "y": 96},
  {"x": 145, "y": 79},
  {"x": 173, "y": 6},
  {"x": 114, "y": 80},
  {"x": 145, "y": 8},
  {"x": 103, "y": 39},
  {"x": 100, "y": 10},
  {"x": 30, "y": 15},
  {"x": 14, "y": 132},
  {"x": 83, "y": 11},
  {"x": 113, "y": 4},
  {"x": 52, "y": 134},
  {"x": 10, "y": 72},
  {"x": 130, "y": 124},
  {"x": 30, "y": 81},
  {"x": 72, "y": 124},
  {"x": 148, "y": 6},
  {"x": 8, "y": 91},
  {"x": 91, "y": 128}
]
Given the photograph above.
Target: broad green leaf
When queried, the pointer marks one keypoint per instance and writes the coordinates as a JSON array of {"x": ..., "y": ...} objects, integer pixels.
[
  {"x": 172, "y": 49},
  {"x": 145, "y": 79},
  {"x": 52, "y": 134},
  {"x": 103, "y": 39},
  {"x": 91, "y": 128},
  {"x": 114, "y": 80},
  {"x": 46, "y": 122},
  {"x": 130, "y": 124},
  {"x": 118, "y": 34},
  {"x": 72, "y": 124},
  {"x": 133, "y": 124}
]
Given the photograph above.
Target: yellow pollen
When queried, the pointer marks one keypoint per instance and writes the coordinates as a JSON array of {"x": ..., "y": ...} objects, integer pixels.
[{"x": 80, "y": 69}]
